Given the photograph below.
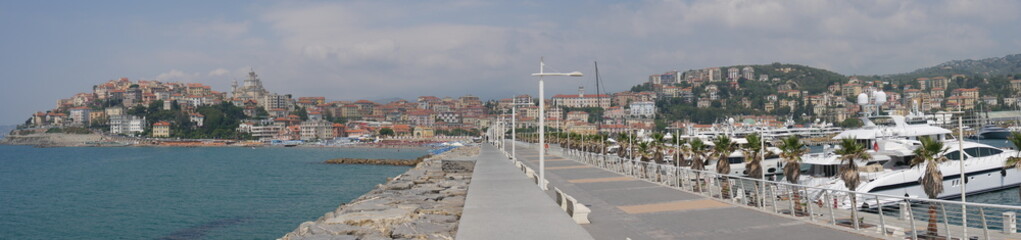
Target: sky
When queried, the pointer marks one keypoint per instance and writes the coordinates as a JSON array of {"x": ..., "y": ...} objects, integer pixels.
[{"x": 349, "y": 50}]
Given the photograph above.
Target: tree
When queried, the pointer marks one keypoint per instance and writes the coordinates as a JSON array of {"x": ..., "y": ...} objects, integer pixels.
[
  {"x": 697, "y": 152},
  {"x": 724, "y": 147},
  {"x": 261, "y": 113},
  {"x": 1015, "y": 161},
  {"x": 851, "y": 123},
  {"x": 658, "y": 145},
  {"x": 386, "y": 132},
  {"x": 752, "y": 156},
  {"x": 791, "y": 151},
  {"x": 137, "y": 110},
  {"x": 851, "y": 151},
  {"x": 930, "y": 154},
  {"x": 301, "y": 113}
]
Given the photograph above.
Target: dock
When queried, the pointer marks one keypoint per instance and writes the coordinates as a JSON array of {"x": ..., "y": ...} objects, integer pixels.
[{"x": 622, "y": 207}]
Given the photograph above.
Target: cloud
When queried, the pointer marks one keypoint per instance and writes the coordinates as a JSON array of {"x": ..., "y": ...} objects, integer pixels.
[
  {"x": 850, "y": 36},
  {"x": 379, "y": 49},
  {"x": 218, "y": 72},
  {"x": 177, "y": 76},
  {"x": 218, "y": 29}
]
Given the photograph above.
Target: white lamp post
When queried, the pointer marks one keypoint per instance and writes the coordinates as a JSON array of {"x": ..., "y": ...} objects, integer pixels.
[
  {"x": 514, "y": 129},
  {"x": 542, "y": 116}
]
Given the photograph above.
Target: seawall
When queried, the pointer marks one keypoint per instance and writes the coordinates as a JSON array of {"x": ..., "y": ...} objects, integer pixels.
[
  {"x": 393, "y": 162},
  {"x": 425, "y": 202},
  {"x": 52, "y": 139}
]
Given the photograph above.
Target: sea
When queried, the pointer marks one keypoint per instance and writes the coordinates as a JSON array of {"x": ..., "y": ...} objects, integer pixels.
[{"x": 178, "y": 193}]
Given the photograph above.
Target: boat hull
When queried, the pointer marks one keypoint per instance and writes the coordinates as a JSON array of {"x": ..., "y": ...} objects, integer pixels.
[{"x": 977, "y": 182}]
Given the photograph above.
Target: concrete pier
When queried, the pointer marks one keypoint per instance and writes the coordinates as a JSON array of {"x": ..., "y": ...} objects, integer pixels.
[{"x": 504, "y": 204}]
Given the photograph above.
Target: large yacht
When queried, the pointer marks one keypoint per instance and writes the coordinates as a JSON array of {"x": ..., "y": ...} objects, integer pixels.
[
  {"x": 993, "y": 132},
  {"x": 889, "y": 171}
]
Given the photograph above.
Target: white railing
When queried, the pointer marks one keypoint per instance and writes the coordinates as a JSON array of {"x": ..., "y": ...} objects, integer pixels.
[{"x": 890, "y": 216}]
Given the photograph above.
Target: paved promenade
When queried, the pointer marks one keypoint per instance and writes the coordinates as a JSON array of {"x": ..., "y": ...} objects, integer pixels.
[
  {"x": 624, "y": 207},
  {"x": 504, "y": 204}
]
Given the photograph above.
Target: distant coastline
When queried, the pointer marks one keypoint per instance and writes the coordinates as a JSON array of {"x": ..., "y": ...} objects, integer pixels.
[{"x": 100, "y": 140}]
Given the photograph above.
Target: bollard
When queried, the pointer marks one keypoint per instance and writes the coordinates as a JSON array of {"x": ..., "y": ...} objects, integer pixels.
[
  {"x": 905, "y": 212},
  {"x": 1009, "y": 222}
]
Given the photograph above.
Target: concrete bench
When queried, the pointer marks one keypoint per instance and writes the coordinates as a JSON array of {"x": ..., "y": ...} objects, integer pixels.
[
  {"x": 579, "y": 212},
  {"x": 561, "y": 198}
]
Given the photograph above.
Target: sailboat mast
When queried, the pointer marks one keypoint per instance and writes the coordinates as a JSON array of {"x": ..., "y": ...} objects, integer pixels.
[{"x": 599, "y": 97}]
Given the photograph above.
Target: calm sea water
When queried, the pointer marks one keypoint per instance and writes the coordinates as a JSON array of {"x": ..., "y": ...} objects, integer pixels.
[{"x": 177, "y": 193}]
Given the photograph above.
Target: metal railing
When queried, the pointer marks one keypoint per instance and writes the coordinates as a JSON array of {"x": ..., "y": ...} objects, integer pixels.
[{"x": 890, "y": 216}]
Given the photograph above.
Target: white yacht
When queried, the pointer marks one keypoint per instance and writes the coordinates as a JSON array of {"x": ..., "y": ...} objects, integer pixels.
[
  {"x": 771, "y": 165},
  {"x": 889, "y": 172}
]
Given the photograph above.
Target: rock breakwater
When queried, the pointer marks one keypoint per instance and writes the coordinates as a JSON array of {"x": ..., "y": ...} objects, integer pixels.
[
  {"x": 394, "y": 162},
  {"x": 423, "y": 203},
  {"x": 52, "y": 139}
]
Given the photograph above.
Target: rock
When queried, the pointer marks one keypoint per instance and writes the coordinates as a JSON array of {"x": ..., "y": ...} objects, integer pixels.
[
  {"x": 418, "y": 229},
  {"x": 334, "y": 229},
  {"x": 374, "y": 236},
  {"x": 457, "y": 166},
  {"x": 325, "y": 237},
  {"x": 425, "y": 202},
  {"x": 439, "y": 218},
  {"x": 369, "y": 205},
  {"x": 391, "y": 215},
  {"x": 399, "y": 186}
]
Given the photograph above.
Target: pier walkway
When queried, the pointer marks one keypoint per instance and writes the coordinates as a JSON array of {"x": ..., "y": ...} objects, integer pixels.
[
  {"x": 504, "y": 204},
  {"x": 627, "y": 208}
]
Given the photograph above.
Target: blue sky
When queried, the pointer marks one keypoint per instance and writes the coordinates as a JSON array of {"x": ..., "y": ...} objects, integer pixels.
[{"x": 378, "y": 49}]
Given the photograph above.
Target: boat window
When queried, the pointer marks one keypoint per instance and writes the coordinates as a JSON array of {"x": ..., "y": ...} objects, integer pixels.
[
  {"x": 955, "y": 155},
  {"x": 982, "y": 151},
  {"x": 735, "y": 160},
  {"x": 883, "y": 121},
  {"x": 914, "y": 121}
]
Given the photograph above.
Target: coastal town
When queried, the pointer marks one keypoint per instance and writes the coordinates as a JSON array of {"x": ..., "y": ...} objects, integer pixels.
[
  {"x": 772, "y": 96},
  {"x": 509, "y": 120}
]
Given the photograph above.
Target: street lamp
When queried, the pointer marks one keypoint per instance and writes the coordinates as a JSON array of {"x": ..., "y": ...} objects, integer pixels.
[
  {"x": 514, "y": 127},
  {"x": 542, "y": 117}
]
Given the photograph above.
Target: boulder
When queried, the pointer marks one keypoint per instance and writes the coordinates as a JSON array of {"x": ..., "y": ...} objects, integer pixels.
[{"x": 418, "y": 229}]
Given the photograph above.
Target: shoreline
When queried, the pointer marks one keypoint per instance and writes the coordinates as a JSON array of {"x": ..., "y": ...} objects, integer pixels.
[
  {"x": 424, "y": 202},
  {"x": 100, "y": 140}
]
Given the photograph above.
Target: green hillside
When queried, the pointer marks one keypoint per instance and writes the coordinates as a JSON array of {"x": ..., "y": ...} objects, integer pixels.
[{"x": 988, "y": 67}]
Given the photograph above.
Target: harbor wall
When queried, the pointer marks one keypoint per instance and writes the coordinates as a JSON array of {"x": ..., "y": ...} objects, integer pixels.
[{"x": 425, "y": 202}]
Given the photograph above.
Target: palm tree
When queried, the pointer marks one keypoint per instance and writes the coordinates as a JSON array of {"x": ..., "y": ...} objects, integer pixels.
[
  {"x": 682, "y": 149},
  {"x": 623, "y": 144},
  {"x": 930, "y": 155},
  {"x": 752, "y": 157},
  {"x": 657, "y": 147},
  {"x": 697, "y": 150},
  {"x": 792, "y": 149},
  {"x": 850, "y": 151},
  {"x": 1015, "y": 161},
  {"x": 643, "y": 150},
  {"x": 724, "y": 147}
]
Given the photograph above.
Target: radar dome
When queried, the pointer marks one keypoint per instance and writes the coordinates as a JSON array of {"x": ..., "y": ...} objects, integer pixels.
[
  {"x": 880, "y": 97},
  {"x": 863, "y": 99}
]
